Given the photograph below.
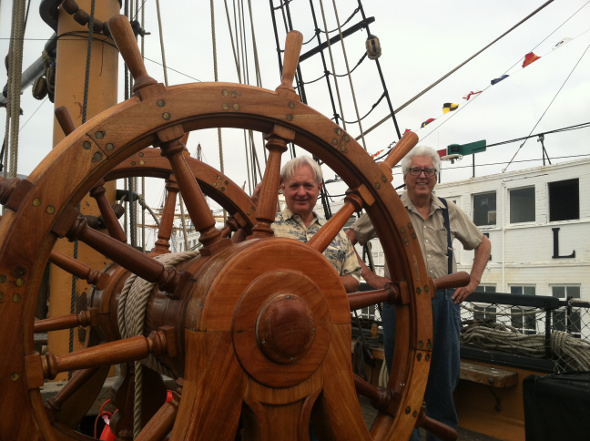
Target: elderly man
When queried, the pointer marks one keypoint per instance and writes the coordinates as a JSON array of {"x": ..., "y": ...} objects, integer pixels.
[
  {"x": 301, "y": 183},
  {"x": 427, "y": 213}
]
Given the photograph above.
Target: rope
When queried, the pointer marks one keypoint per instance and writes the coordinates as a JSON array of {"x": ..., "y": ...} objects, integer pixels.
[
  {"x": 333, "y": 65},
  {"x": 15, "y": 74},
  {"x": 574, "y": 352},
  {"x": 216, "y": 77},
  {"x": 383, "y": 375},
  {"x": 88, "y": 58},
  {"x": 348, "y": 71},
  {"x": 131, "y": 319},
  {"x": 162, "y": 43}
]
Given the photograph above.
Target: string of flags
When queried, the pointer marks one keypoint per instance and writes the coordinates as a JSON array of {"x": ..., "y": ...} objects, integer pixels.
[{"x": 448, "y": 107}]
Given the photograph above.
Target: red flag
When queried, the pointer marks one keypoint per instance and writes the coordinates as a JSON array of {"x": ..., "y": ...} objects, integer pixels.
[
  {"x": 470, "y": 94},
  {"x": 442, "y": 153},
  {"x": 375, "y": 154},
  {"x": 529, "y": 58},
  {"x": 428, "y": 121}
]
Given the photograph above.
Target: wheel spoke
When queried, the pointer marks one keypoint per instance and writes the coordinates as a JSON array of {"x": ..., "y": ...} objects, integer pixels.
[
  {"x": 74, "y": 226},
  {"x": 266, "y": 207},
  {"x": 76, "y": 268},
  {"x": 389, "y": 294},
  {"x": 405, "y": 144},
  {"x": 108, "y": 215},
  {"x": 167, "y": 220},
  {"x": 130, "y": 349},
  {"x": 76, "y": 397},
  {"x": 437, "y": 428},
  {"x": 161, "y": 423},
  {"x": 83, "y": 318},
  {"x": 326, "y": 234},
  {"x": 196, "y": 204},
  {"x": 125, "y": 38},
  {"x": 454, "y": 280}
]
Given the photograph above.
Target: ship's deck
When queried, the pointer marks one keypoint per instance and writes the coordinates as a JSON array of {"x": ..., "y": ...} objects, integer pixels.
[{"x": 463, "y": 434}]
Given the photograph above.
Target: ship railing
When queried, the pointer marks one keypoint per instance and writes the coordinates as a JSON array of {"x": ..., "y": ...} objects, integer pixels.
[{"x": 538, "y": 332}]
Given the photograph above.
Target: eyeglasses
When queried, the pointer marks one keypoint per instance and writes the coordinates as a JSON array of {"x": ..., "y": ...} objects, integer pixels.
[{"x": 415, "y": 171}]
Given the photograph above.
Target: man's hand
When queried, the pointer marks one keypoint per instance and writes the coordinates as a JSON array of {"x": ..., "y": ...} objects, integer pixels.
[
  {"x": 377, "y": 282},
  {"x": 462, "y": 293}
]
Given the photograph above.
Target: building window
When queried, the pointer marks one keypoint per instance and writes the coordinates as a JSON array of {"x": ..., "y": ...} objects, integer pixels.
[
  {"x": 564, "y": 200},
  {"x": 521, "y": 319},
  {"x": 484, "y": 208},
  {"x": 485, "y": 314},
  {"x": 522, "y": 205},
  {"x": 567, "y": 319}
]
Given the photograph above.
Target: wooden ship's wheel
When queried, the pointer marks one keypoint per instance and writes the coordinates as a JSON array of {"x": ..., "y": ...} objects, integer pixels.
[{"x": 256, "y": 333}]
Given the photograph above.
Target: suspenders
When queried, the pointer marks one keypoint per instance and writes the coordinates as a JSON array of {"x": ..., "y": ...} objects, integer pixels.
[{"x": 445, "y": 214}]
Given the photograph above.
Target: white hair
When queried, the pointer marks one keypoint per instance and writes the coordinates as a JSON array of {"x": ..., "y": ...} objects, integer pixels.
[
  {"x": 289, "y": 168},
  {"x": 421, "y": 150}
]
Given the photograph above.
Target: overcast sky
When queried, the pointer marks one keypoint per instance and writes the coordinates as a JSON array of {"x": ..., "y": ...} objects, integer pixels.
[{"x": 421, "y": 41}]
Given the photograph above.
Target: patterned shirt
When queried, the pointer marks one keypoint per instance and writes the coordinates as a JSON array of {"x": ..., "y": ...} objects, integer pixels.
[
  {"x": 431, "y": 233},
  {"x": 340, "y": 253}
]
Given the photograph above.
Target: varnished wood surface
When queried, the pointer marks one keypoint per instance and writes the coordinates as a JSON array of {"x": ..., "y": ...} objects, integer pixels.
[{"x": 210, "y": 308}]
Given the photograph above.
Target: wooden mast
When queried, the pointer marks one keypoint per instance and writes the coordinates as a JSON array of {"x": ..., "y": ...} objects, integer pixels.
[{"x": 71, "y": 64}]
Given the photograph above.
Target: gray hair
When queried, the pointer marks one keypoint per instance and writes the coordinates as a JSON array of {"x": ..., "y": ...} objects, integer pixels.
[
  {"x": 421, "y": 150},
  {"x": 289, "y": 168}
]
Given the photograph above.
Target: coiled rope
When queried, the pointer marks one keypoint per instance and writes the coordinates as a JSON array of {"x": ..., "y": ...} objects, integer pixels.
[
  {"x": 573, "y": 351},
  {"x": 131, "y": 319}
]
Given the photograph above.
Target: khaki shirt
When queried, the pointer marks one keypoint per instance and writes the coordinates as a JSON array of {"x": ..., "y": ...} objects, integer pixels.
[
  {"x": 340, "y": 253},
  {"x": 431, "y": 233}
]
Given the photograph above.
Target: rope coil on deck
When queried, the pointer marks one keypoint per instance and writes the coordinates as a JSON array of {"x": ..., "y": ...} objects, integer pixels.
[{"x": 507, "y": 338}]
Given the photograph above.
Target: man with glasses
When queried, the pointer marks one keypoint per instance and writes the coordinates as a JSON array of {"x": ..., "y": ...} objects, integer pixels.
[{"x": 427, "y": 212}]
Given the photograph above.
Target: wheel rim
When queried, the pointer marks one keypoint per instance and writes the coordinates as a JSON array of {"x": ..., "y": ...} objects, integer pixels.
[{"x": 112, "y": 137}]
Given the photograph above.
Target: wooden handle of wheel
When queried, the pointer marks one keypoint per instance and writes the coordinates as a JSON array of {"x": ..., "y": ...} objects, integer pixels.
[
  {"x": 123, "y": 34},
  {"x": 291, "y": 60}
]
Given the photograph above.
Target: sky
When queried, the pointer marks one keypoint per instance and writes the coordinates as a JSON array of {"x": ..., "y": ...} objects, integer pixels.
[{"x": 421, "y": 42}]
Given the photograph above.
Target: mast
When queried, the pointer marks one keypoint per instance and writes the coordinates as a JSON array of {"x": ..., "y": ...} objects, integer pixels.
[{"x": 71, "y": 72}]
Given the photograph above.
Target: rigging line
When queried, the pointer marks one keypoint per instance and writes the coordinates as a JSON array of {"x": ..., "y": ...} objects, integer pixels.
[
  {"x": 337, "y": 75},
  {"x": 550, "y": 103},
  {"x": 254, "y": 46},
  {"x": 461, "y": 108},
  {"x": 370, "y": 111},
  {"x": 339, "y": 28},
  {"x": 564, "y": 129},
  {"x": 353, "y": 69},
  {"x": 343, "y": 46},
  {"x": 216, "y": 76},
  {"x": 162, "y": 50},
  {"x": 547, "y": 37},
  {"x": 331, "y": 55},
  {"x": 231, "y": 39},
  {"x": 255, "y": 160},
  {"x": 381, "y": 77},
  {"x": 491, "y": 164},
  {"x": 407, "y": 103},
  {"x": 172, "y": 69},
  {"x": 244, "y": 42},
  {"x": 316, "y": 32},
  {"x": 33, "y": 114},
  {"x": 325, "y": 67},
  {"x": 15, "y": 76}
]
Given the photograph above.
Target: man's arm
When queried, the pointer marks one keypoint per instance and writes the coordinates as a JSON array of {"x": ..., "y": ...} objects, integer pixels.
[
  {"x": 480, "y": 260},
  {"x": 350, "y": 283},
  {"x": 370, "y": 277}
]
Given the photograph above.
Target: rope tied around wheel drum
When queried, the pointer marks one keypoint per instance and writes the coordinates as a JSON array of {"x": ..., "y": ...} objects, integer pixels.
[{"x": 131, "y": 319}]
